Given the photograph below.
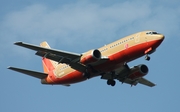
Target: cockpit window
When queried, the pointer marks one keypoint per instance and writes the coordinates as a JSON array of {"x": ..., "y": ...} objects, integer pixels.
[{"x": 152, "y": 32}]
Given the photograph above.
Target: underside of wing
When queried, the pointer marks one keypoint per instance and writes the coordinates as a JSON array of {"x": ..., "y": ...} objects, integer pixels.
[
  {"x": 121, "y": 72},
  {"x": 123, "y": 75},
  {"x": 141, "y": 81},
  {"x": 35, "y": 74},
  {"x": 146, "y": 82}
]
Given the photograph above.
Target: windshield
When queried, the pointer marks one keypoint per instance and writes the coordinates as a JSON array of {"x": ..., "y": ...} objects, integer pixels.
[{"x": 152, "y": 32}]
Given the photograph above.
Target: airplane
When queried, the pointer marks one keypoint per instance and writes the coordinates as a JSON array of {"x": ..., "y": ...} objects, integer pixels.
[{"x": 109, "y": 62}]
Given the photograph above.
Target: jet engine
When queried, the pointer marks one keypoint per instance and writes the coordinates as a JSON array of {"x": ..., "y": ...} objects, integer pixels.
[
  {"x": 91, "y": 56},
  {"x": 138, "y": 71}
]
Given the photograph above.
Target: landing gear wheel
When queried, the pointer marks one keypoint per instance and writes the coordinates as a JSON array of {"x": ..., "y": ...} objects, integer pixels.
[
  {"x": 147, "y": 58},
  {"x": 111, "y": 82},
  {"x": 108, "y": 82}
]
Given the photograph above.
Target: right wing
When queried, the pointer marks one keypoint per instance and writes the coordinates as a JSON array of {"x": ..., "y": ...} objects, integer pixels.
[
  {"x": 141, "y": 81},
  {"x": 122, "y": 74},
  {"x": 72, "y": 59}
]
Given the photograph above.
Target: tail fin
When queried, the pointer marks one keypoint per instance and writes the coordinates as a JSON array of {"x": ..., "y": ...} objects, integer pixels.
[{"x": 48, "y": 65}]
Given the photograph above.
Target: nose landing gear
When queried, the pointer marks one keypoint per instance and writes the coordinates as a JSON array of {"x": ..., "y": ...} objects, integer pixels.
[
  {"x": 149, "y": 51},
  {"x": 147, "y": 57}
]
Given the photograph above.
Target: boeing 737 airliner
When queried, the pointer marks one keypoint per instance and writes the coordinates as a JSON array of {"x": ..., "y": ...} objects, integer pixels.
[{"x": 109, "y": 62}]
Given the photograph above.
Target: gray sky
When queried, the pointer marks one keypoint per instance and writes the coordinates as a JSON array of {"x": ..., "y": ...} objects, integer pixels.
[{"x": 78, "y": 26}]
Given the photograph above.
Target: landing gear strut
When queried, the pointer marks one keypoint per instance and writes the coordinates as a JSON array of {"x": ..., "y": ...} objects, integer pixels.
[
  {"x": 86, "y": 74},
  {"x": 111, "y": 82},
  {"x": 147, "y": 57}
]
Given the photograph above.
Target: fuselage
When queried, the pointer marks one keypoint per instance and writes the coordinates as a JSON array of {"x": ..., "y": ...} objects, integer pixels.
[{"x": 119, "y": 52}]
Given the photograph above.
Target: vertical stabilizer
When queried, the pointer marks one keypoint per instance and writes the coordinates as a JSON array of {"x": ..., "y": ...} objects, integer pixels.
[{"x": 48, "y": 65}]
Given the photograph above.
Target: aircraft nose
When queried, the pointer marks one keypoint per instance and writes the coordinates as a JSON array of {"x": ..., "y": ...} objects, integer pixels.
[{"x": 160, "y": 37}]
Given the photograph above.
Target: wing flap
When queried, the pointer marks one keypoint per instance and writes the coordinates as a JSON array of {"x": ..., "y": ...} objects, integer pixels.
[{"x": 35, "y": 74}]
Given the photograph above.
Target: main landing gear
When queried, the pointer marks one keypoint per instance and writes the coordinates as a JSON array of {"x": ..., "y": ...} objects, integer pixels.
[
  {"x": 147, "y": 57},
  {"x": 111, "y": 82},
  {"x": 86, "y": 74}
]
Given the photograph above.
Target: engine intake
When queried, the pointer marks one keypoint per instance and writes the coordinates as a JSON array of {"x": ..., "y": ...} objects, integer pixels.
[
  {"x": 144, "y": 69},
  {"x": 138, "y": 71},
  {"x": 91, "y": 56}
]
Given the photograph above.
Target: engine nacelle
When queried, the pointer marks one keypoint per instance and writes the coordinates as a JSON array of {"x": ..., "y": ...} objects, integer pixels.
[
  {"x": 91, "y": 56},
  {"x": 138, "y": 71}
]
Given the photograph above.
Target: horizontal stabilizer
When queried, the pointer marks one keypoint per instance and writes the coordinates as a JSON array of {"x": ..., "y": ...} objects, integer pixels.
[{"x": 35, "y": 74}]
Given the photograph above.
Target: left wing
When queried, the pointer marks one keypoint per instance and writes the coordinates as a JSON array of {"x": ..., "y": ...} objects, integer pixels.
[{"x": 72, "y": 59}]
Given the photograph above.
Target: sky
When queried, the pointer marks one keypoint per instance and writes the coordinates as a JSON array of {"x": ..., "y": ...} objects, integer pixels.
[{"x": 78, "y": 26}]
